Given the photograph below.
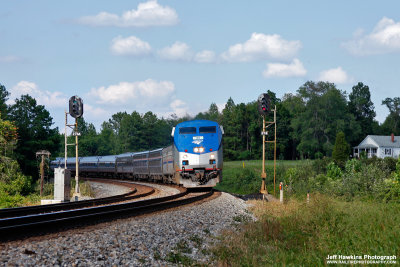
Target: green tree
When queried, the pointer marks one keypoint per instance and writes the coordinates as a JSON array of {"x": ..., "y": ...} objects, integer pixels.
[
  {"x": 361, "y": 106},
  {"x": 325, "y": 114},
  {"x": 35, "y": 133},
  {"x": 88, "y": 141},
  {"x": 106, "y": 141},
  {"x": 130, "y": 133},
  {"x": 3, "y": 99},
  {"x": 340, "y": 153},
  {"x": 212, "y": 114},
  {"x": 392, "y": 121},
  {"x": 151, "y": 136},
  {"x": 295, "y": 106},
  {"x": 231, "y": 126}
]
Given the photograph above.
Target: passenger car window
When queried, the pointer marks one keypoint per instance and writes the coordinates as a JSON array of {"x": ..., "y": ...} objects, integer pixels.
[
  {"x": 187, "y": 130},
  {"x": 208, "y": 129}
]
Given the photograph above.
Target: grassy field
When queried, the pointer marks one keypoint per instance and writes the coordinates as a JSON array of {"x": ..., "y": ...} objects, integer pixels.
[
  {"x": 297, "y": 234},
  {"x": 346, "y": 214},
  {"x": 244, "y": 177}
]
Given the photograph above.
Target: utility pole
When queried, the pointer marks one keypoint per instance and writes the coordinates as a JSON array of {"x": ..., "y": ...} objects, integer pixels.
[
  {"x": 264, "y": 107},
  {"x": 76, "y": 111},
  {"x": 66, "y": 141},
  {"x": 77, "y": 192},
  {"x": 263, "y": 189},
  {"x": 274, "y": 123},
  {"x": 42, "y": 154}
]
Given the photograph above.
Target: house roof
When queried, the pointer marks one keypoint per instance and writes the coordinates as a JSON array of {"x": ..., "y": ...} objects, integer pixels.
[{"x": 381, "y": 141}]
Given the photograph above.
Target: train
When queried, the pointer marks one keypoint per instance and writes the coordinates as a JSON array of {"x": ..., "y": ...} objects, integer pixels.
[{"x": 194, "y": 159}]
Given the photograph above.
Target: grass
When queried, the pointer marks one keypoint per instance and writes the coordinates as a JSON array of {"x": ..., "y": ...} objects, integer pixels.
[
  {"x": 12, "y": 201},
  {"x": 84, "y": 188},
  {"x": 247, "y": 180},
  {"x": 297, "y": 234}
]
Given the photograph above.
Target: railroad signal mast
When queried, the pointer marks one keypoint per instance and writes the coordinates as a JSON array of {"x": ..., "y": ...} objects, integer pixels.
[
  {"x": 264, "y": 107},
  {"x": 76, "y": 111}
]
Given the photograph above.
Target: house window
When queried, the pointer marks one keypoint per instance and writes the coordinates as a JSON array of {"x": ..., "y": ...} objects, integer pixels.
[
  {"x": 373, "y": 150},
  {"x": 388, "y": 151}
]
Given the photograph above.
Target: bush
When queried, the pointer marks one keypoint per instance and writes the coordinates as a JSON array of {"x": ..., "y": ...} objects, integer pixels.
[
  {"x": 318, "y": 155},
  {"x": 341, "y": 149},
  {"x": 241, "y": 181},
  {"x": 298, "y": 178},
  {"x": 13, "y": 184},
  {"x": 333, "y": 171},
  {"x": 12, "y": 181},
  {"x": 320, "y": 165},
  {"x": 353, "y": 166},
  {"x": 390, "y": 163},
  {"x": 370, "y": 178}
]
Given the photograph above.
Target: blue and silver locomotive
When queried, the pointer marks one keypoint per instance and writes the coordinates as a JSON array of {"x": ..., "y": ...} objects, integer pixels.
[
  {"x": 193, "y": 160},
  {"x": 198, "y": 152}
]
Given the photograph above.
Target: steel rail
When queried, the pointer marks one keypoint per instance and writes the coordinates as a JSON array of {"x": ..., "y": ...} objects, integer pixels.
[
  {"x": 30, "y": 210},
  {"x": 18, "y": 227}
]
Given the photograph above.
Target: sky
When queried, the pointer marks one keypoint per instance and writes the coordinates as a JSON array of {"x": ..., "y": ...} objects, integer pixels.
[{"x": 178, "y": 57}]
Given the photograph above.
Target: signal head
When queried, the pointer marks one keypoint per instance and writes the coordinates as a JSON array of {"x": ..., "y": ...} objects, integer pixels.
[
  {"x": 76, "y": 106},
  {"x": 264, "y": 104}
]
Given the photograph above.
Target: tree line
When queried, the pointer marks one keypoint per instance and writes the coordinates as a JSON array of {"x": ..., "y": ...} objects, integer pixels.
[{"x": 307, "y": 124}]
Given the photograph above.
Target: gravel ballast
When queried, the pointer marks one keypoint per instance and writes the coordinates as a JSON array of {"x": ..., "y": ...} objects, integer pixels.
[
  {"x": 152, "y": 240},
  {"x": 107, "y": 190}
]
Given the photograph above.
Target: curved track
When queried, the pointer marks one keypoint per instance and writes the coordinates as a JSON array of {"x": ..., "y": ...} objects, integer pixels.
[
  {"x": 30, "y": 210},
  {"x": 36, "y": 224}
]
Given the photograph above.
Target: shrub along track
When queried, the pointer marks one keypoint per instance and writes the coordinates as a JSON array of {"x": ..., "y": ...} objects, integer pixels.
[{"x": 23, "y": 226}]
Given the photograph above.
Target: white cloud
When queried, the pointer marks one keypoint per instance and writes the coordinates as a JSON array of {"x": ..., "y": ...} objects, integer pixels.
[
  {"x": 142, "y": 96},
  {"x": 147, "y": 14},
  {"x": 46, "y": 98},
  {"x": 261, "y": 47},
  {"x": 205, "y": 56},
  {"x": 9, "y": 59},
  {"x": 384, "y": 38},
  {"x": 179, "y": 108},
  {"x": 91, "y": 112},
  {"x": 337, "y": 75},
  {"x": 294, "y": 69},
  {"x": 133, "y": 92},
  {"x": 178, "y": 52},
  {"x": 131, "y": 46}
]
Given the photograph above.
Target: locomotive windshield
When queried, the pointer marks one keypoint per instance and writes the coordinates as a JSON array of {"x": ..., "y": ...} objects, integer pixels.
[
  {"x": 208, "y": 129},
  {"x": 187, "y": 130}
]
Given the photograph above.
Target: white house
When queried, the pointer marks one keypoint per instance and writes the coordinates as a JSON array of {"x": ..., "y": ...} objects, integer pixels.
[{"x": 379, "y": 146}]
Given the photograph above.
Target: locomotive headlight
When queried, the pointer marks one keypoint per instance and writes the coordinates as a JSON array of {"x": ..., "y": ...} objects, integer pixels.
[
  {"x": 185, "y": 156},
  {"x": 212, "y": 156},
  {"x": 196, "y": 150},
  {"x": 201, "y": 149}
]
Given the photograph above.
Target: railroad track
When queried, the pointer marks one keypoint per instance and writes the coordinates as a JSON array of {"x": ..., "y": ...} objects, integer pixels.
[
  {"x": 31, "y": 210},
  {"x": 20, "y": 227}
]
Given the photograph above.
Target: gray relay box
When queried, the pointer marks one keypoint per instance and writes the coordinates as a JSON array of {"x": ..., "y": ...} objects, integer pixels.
[{"x": 62, "y": 184}]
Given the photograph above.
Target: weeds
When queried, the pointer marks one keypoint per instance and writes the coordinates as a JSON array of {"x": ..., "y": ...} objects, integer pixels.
[
  {"x": 177, "y": 254},
  {"x": 182, "y": 246},
  {"x": 84, "y": 188},
  {"x": 359, "y": 179},
  {"x": 241, "y": 218},
  {"x": 300, "y": 234},
  {"x": 198, "y": 241},
  {"x": 178, "y": 258}
]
